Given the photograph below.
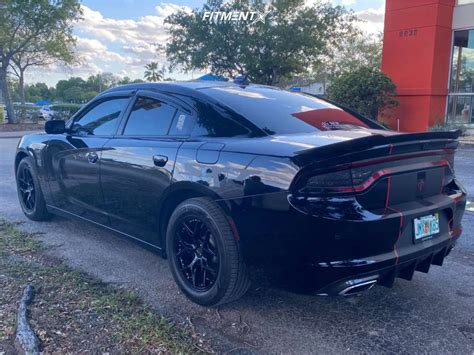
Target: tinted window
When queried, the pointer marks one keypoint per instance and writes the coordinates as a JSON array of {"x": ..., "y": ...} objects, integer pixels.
[
  {"x": 282, "y": 112},
  {"x": 218, "y": 121},
  {"x": 182, "y": 125},
  {"x": 149, "y": 117},
  {"x": 101, "y": 119}
]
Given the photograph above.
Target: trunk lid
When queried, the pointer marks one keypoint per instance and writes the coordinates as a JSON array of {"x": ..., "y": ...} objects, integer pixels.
[
  {"x": 377, "y": 142},
  {"x": 382, "y": 171},
  {"x": 308, "y": 147}
]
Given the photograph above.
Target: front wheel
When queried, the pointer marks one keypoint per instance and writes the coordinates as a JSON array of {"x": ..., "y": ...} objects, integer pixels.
[
  {"x": 29, "y": 191},
  {"x": 204, "y": 255}
]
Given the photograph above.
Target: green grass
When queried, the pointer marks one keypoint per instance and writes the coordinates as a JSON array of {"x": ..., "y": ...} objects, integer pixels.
[
  {"x": 14, "y": 241},
  {"x": 63, "y": 294}
]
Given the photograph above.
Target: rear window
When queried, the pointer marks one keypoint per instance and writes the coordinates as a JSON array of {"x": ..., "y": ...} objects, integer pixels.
[{"x": 281, "y": 112}]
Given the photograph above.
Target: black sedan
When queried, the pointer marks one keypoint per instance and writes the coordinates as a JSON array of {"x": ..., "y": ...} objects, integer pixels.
[{"x": 222, "y": 176}]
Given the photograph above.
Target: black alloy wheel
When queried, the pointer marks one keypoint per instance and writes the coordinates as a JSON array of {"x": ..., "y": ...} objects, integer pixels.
[
  {"x": 196, "y": 251},
  {"x": 29, "y": 191},
  {"x": 204, "y": 253},
  {"x": 26, "y": 187}
]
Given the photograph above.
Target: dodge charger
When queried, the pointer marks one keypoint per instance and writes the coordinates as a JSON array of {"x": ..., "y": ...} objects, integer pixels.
[{"x": 219, "y": 175}]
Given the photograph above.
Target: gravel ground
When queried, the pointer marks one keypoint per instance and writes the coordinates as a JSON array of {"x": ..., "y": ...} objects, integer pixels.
[{"x": 434, "y": 313}]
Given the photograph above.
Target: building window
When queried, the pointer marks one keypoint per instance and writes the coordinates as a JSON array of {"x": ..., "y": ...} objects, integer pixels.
[
  {"x": 464, "y": 2},
  {"x": 460, "y": 108},
  {"x": 462, "y": 70},
  {"x": 461, "y": 86}
]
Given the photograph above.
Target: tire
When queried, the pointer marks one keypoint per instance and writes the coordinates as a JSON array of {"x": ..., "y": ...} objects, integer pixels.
[
  {"x": 34, "y": 207},
  {"x": 228, "y": 281}
]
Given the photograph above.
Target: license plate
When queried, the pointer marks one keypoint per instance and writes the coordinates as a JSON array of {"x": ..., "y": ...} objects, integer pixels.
[{"x": 426, "y": 226}]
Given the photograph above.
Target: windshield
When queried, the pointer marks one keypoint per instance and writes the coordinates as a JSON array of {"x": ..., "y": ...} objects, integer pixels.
[{"x": 281, "y": 112}]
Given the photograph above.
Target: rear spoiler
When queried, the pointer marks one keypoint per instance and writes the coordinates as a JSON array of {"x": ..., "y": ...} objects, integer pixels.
[{"x": 422, "y": 141}]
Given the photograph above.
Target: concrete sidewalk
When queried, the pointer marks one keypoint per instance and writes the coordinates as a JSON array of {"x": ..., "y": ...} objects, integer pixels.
[
  {"x": 467, "y": 139},
  {"x": 17, "y": 134}
]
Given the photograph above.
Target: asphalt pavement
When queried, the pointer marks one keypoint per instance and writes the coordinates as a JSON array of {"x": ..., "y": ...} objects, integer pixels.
[{"x": 433, "y": 313}]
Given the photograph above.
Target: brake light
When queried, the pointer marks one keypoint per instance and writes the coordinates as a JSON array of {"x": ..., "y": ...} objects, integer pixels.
[
  {"x": 338, "y": 181},
  {"x": 356, "y": 179},
  {"x": 361, "y": 175},
  {"x": 342, "y": 181}
]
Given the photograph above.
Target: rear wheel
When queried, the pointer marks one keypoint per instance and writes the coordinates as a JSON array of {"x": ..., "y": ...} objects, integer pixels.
[
  {"x": 29, "y": 191},
  {"x": 204, "y": 255}
]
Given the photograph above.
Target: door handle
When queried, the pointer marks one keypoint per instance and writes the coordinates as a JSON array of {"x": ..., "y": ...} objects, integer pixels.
[
  {"x": 160, "y": 160},
  {"x": 92, "y": 157}
]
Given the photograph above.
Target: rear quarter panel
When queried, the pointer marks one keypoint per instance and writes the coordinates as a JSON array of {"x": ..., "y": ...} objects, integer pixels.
[{"x": 251, "y": 188}]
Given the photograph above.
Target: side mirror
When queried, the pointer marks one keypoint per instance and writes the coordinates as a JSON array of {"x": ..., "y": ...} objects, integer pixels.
[{"x": 55, "y": 126}]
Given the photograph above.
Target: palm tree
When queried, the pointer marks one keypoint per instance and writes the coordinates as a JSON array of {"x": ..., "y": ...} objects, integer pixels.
[{"x": 152, "y": 73}]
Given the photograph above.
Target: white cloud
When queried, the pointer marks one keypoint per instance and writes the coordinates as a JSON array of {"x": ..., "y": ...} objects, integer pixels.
[
  {"x": 165, "y": 9},
  {"x": 348, "y": 2},
  {"x": 372, "y": 20},
  {"x": 121, "y": 46},
  {"x": 146, "y": 29},
  {"x": 93, "y": 49}
]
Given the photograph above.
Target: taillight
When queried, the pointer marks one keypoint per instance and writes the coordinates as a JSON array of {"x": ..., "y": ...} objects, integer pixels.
[
  {"x": 361, "y": 175},
  {"x": 344, "y": 181},
  {"x": 338, "y": 181}
]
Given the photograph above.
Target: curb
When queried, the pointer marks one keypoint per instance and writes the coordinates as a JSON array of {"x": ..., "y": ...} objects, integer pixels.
[
  {"x": 18, "y": 134},
  {"x": 26, "y": 340},
  {"x": 9, "y": 137},
  {"x": 466, "y": 144}
]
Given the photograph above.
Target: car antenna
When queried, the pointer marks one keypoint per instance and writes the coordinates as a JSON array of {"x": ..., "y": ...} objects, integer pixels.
[{"x": 241, "y": 80}]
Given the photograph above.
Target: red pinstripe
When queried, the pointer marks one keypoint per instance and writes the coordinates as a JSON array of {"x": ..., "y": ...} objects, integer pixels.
[{"x": 395, "y": 249}]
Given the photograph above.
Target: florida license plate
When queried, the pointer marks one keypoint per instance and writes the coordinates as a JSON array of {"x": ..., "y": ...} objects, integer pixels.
[{"x": 426, "y": 226}]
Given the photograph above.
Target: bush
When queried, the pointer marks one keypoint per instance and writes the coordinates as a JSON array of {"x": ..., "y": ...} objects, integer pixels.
[
  {"x": 365, "y": 90},
  {"x": 64, "y": 111},
  {"x": 27, "y": 112},
  {"x": 2, "y": 114}
]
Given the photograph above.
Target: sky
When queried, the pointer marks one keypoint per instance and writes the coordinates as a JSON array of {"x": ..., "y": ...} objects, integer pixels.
[{"x": 117, "y": 36}]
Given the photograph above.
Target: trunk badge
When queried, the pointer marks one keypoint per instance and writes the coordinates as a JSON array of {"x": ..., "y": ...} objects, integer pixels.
[{"x": 420, "y": 185}]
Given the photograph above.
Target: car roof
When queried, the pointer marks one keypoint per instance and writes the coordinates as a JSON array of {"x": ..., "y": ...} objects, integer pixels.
[{"x": 183, "y": 87}]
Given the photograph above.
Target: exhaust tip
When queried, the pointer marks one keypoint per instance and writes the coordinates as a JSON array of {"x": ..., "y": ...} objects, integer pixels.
[{"x": 357, "y": 286}]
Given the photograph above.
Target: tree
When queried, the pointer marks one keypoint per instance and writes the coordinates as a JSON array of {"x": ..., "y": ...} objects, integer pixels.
[
  {"x": 365, "y": 90},
  {"x": 14, "y": 89},
  {"x": 32, "y": 25},
  {"x": 78, "y": 90},
  {"x": 102, "y": 81},
  {"x": 292, "y": 37},
  {"x": 352, "y": 52},
  {"x": 38, "y": 91},
  {"x": 41, "y": 54},
  {"x": 152, "y": 73}
]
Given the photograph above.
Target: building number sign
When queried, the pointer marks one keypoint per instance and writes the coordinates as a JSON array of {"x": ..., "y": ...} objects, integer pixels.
[{"x": 409, "y": 33}]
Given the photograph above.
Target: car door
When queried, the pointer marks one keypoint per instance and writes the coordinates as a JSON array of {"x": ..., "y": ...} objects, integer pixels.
[
  {"x": 75, "y": 157},
  {"x": 137, "y": 164}
]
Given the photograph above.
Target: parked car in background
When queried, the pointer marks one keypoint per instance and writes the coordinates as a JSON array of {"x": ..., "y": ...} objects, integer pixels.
[
  {"x": 46, "y": 113},
  {"x": 218, "y": 175},
  {"x": 27, "y": 111}
]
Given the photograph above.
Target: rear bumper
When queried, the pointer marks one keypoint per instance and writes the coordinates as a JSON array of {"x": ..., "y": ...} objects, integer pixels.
[
  {"x": 384, "y": 273},
  {"x": 323, "y": 249}
]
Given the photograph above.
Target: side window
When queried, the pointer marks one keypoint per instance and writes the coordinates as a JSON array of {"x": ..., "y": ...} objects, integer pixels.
[
  {"x": 149, "y": 117},
  {"x": 219, "y": 122},
  {"x": 101, "y": 119},
  {"x": 182, "y": 125}
]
